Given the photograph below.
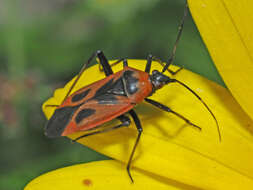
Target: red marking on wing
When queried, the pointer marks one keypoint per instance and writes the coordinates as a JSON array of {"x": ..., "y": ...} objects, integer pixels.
[
  {"x": 93, "y": 89},
  {"x": 104, "y": 113}
]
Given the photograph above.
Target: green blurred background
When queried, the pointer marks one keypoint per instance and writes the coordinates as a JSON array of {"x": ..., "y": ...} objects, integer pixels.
[{"x": 44, "y": 43}]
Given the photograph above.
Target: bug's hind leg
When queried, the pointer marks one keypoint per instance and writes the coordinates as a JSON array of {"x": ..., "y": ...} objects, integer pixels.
[
  {"x": 105, "y": 66},
  {"x": 103, "y": 61},
  {"x": 167, "y": 109},
  {"x": 139, "y": 128},
  {"x": 125, "y": 122}
]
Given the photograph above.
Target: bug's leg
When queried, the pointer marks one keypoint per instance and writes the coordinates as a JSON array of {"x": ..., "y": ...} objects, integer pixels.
[
  {"x": 103, "y": 62},
  {"x": 168, "y": 69},
  {"x": 151, "y": 58},
  {"x": 200, "y": 99},
  {"x": 114, "y": 63},
  {"x": 125, "y": 63},
  {"x": 175, "y": 72},
  {"x": 148, "y": 65},
  {"x": 125, "y": 122},
  {"x": 139, "y": 128},
  {"x": 167, "y": 109},
  {"x": 180, "y": 30},
  {"x": 149, "y": 62}
]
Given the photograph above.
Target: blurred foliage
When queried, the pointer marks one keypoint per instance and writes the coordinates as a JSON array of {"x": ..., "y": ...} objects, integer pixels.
[{"x": 43, "y": 44}]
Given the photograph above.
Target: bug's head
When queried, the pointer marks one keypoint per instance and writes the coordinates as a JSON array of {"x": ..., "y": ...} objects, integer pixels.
[{"x": 158, "y": 79}]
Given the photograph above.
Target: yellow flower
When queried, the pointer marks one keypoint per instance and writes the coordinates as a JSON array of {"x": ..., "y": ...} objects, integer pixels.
[
  {"x": 172, "y": 154},
  {"x": 227, "y": 30},
  {"x": 100, "y": 175},
  {"x": 170, "y": 149}
]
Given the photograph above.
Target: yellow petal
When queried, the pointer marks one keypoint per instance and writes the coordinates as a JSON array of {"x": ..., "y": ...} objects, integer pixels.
[
  {"x": 172, "y": 149},
  {"x": 99, "y": 175},
  {"x": 227, "y": 30}
]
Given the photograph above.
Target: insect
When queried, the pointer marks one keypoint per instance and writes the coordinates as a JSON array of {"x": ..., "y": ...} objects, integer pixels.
[{"x": 114, "y": 97}]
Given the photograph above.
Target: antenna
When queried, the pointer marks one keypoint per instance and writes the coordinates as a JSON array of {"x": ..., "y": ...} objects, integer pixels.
[
  {"x": 188, "y": 88},
  {"x": 180, "y": 30}
]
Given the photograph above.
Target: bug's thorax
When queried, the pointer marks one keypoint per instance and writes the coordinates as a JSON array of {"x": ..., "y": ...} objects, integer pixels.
[{"x": 137, "y": 84}]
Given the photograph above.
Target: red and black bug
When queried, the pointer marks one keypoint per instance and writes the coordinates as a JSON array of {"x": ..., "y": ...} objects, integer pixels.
[{"x": 113, "y": 97}]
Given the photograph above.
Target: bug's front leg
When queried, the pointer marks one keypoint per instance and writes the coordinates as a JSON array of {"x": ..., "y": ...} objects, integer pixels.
[
  {"x": 105, "y": 65},
  {"x": 168, "y": 69},
  {"x": 167, "y": 109}
]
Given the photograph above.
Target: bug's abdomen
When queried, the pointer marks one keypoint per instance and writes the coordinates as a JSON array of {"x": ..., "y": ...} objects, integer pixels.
[{"x": 93, "y": 114}]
